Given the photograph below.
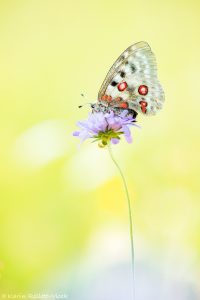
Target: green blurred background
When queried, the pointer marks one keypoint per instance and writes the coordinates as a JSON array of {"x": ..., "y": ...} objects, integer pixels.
[{"x": 63, "y": 218}]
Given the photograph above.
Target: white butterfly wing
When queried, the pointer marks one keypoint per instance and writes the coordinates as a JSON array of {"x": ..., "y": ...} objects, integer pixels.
[{"x": 136, "y": 67}]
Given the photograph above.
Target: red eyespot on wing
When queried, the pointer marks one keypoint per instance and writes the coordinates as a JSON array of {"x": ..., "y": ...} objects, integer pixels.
[
  {"x": 143, "y": 105},
  {"x": 122, "y": 86},
  {"x": 143, "y": 90},
  {"x": 103, "y": 97},
  {"x": 123, "y": 105},
  {"x": 106, "y": 98}
]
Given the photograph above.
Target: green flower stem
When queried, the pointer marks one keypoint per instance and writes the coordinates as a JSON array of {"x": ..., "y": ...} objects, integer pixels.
[{"x": 129, "y": 209}]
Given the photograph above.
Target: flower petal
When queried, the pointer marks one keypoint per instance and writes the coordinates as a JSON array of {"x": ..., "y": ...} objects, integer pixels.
[
  {"x": 124, "y": 113},
  {"x": 127, "y": 133},
  {"x": 115, "y": 141},
  {"x": 76, "y": 133},
  {"x": 106, "y": 126}
]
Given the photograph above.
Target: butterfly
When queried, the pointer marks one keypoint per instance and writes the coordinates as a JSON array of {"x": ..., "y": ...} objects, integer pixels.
[{"x": 132, "y": 83}]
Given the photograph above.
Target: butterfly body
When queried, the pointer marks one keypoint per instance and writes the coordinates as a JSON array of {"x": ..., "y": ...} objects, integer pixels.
[{"x": 132, "y": 83}]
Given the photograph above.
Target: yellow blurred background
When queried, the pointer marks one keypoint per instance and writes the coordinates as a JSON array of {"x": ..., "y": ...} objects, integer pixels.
[{"x": 63, "y": 218}]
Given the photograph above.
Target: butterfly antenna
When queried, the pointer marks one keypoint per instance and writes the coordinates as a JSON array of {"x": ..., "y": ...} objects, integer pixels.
[{"x": 87, "y": 103}]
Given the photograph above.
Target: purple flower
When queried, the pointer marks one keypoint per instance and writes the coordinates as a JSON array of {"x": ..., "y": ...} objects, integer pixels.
[{"x": 106, "y": 127}]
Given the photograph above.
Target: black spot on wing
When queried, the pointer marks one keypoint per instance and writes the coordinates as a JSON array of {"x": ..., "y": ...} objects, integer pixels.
[
  {"x": 133, "y": 113},
  {"x": 113, "y": 83},
  {"x": 133, "y": 68}
]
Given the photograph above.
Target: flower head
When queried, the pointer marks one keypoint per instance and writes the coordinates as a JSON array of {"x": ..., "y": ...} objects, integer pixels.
[{"x": 106, "y": 127}]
